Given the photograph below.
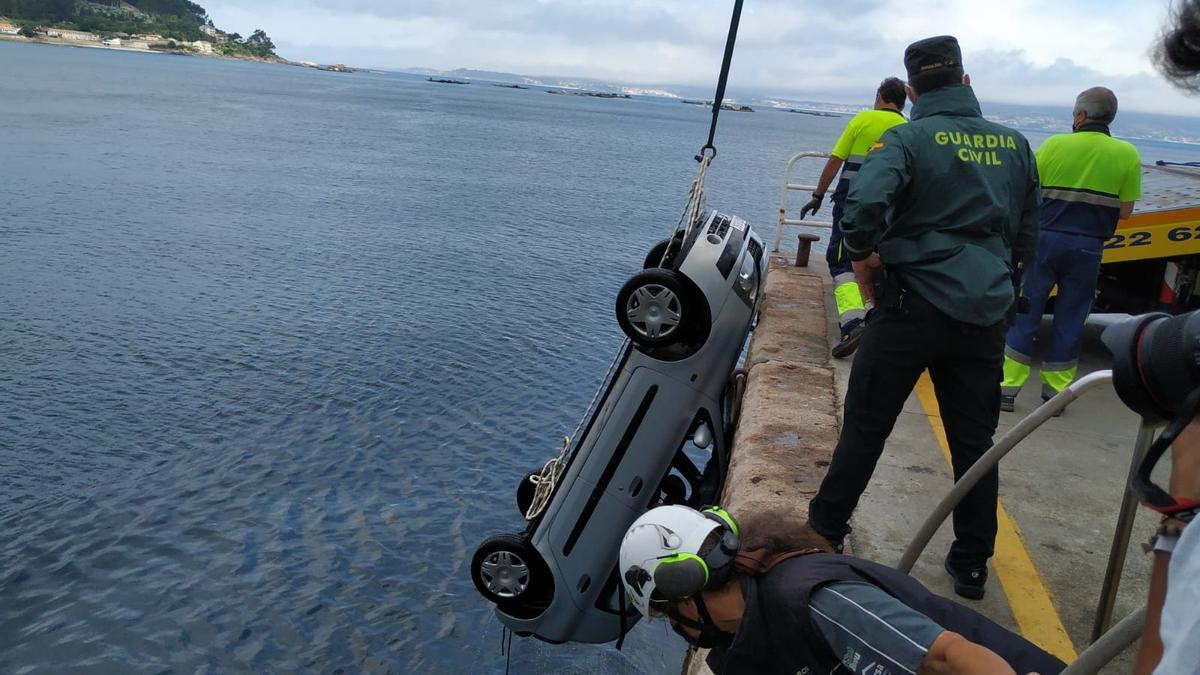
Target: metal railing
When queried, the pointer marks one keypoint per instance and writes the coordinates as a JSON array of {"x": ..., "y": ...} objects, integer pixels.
[
  {"x": 1105, "y": 645},
  {"x": 788, "y": 186}
]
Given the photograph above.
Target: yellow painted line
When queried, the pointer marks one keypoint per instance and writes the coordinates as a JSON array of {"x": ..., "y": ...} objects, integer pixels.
[{"x": 1022, "y": 583}]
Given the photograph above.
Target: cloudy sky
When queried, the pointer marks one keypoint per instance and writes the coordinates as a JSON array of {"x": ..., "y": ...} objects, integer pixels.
[{"x": 1019, "y": 51}]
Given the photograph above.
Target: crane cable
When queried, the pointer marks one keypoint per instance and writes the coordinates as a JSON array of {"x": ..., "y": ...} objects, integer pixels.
[{"x": 544, "y": 481}]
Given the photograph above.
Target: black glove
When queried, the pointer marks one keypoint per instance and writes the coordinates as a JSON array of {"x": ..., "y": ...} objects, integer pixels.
[{"x": 812, "y": 206}]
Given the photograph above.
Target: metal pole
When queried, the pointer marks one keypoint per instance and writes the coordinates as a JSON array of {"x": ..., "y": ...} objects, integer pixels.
[
  {"x": 783, "y": 195},
  {"x": 1120, "y": 542},
  {"x": 992, "y": 457},
  {"x": 1103, "y": 651}
]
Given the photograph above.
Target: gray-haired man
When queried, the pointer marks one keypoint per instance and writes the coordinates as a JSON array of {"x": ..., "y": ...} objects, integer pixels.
[{"x": 1089, "y": 181}]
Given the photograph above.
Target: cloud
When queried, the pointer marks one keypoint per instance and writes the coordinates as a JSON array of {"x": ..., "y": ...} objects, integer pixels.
[{"x": 1027, "y": 51}]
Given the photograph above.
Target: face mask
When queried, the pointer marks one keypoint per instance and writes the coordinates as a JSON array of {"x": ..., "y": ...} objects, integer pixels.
[{"x": 710, "y": 636}]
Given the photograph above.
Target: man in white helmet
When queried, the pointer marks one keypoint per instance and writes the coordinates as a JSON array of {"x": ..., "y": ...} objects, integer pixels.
[{"x": 770, "y": 600}]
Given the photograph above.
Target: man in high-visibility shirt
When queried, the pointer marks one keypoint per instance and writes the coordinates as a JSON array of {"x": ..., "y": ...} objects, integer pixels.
[
  {"x": 860, "y": 134},
  {"x": 1089, "y": 181}
]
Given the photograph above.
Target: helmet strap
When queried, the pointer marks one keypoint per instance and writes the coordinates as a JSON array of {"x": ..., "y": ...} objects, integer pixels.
[{"x": 710, "y": 637}]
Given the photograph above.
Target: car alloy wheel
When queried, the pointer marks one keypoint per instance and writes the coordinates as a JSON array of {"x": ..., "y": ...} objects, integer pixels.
[
  {"x": 505, "y": 569},
  {"x": 653, "y": 307}
]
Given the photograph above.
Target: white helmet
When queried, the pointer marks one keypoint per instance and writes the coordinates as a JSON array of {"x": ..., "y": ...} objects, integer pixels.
[{"x": 661, "y": 554}]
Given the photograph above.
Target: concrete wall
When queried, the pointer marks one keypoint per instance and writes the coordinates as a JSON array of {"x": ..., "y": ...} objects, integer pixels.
[{"x": 789, "y": 422}]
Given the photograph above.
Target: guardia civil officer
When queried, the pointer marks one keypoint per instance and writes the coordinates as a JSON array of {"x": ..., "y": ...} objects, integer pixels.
[
  {"x": 942, "y": 214},
  {"x": 767, "y": 602},
  {"x": 1089, "y": 181},
  {"x": 861, "y": 132}
]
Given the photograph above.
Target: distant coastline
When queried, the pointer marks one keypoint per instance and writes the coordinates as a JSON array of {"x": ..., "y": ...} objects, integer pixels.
[
  {"x": 179, "y": 27},
  {"x": 178, "y": 51}
]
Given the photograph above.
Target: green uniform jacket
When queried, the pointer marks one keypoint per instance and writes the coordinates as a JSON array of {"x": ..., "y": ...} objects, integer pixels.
[{"x": 950, "y": 201}]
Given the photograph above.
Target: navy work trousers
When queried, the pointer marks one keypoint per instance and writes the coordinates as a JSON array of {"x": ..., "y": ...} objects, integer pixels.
[
  {"x": 1072, "y": 262},
  {"x": 835, "y": 255},
  {"x": 965, "y": 363}
]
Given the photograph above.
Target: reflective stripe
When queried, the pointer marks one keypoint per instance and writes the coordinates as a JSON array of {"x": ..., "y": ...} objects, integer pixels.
[
  {"x": 1059, "y": 366},
  {"x": 1015, "y": 375},
  {"x": 1056, "y": 380},
  {"x": 1081, "y": 196},
  {"x": 847, "y": 318},
  {"x": 1010, "y": 353}
]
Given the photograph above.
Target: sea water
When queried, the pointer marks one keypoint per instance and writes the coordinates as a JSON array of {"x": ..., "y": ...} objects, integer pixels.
[{"x": 277, "y": 345}]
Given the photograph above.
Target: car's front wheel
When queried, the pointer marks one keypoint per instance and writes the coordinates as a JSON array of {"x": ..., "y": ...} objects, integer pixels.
[
  {"x": 655, "y": 307},
  {"x": 663, "y": 253}
]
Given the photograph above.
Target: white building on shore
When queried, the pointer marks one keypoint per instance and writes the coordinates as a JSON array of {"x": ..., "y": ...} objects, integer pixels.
[
  {"x": 7, "y": 28},
  {"x": 74, "y": 35}
]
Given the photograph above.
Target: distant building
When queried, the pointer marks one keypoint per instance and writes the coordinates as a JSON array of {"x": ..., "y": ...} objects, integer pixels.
[
  {"x": 201, "y": 46},
  {"x": 7, "y": 28},
  {"x": 75, "y": 35},
  {"x": 151, "y": 37},
  {"x": 210, "y": 31}
]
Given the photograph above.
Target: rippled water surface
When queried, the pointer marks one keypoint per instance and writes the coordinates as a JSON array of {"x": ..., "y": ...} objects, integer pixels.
[{"x": 277, "y": 345}]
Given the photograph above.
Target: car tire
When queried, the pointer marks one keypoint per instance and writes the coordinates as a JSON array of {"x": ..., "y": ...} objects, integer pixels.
[
  {"x": 507, "y": 570},
  {"x": 655, "y": 308},
  {"x": 526, "y": 491},
  {"x": 654, "y": 258}
]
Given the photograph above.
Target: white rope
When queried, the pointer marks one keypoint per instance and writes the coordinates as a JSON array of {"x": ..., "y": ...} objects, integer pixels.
[
  {"x": 696, "y": 199},
  {"x": 545, "y": 480},
  {"x": 695, "y": 205}
]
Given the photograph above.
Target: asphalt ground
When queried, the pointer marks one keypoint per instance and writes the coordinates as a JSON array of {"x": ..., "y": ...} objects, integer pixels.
[{"x": 1060, "y": 492}]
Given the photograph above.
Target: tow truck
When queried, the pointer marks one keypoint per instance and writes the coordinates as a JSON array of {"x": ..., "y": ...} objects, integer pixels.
[{"x": 1152, "y": 262}]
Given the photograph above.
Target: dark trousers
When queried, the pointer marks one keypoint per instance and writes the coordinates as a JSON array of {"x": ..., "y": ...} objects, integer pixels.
[
  {"x": 835, "y": 254},
  {"x": 965, "y": 364}
]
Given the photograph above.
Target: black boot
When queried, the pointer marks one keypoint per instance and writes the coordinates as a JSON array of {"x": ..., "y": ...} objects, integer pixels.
[
  {"x": 851, "y": 334},
  {"x": 968, "y": 581}
]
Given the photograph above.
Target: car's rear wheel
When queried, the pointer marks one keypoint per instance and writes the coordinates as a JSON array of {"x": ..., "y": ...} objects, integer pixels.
[
  {"x": 655, "y": 307},
  {"x": 504, "y": 568}
]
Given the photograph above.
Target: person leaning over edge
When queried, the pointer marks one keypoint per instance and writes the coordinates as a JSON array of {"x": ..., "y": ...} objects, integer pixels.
[
  {"x": 861, "y": 132},
  {"x": 943, "y": 213},
  {"x": 1172, "y": 628},
  {"x": 767, "y": 599},
  {"x": 1089, "y": 181}
]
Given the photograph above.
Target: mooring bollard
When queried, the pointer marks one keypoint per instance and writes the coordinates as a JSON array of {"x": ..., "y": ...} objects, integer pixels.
[{"x": 803, "y": 247}]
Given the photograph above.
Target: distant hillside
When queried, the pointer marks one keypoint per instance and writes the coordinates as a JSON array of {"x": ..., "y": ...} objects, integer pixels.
[{"x": 180, "y": 20}]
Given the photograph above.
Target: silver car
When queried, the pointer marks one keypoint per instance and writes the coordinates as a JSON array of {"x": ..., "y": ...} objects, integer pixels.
[{"x": 659, "y": 433}]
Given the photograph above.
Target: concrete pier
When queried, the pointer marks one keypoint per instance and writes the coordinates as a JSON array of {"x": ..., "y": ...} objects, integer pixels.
[{"x": 1060, "y": 489}]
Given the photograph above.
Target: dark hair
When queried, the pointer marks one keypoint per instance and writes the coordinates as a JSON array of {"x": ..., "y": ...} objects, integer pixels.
[
  {"x": 774, "y": 531},
  {"x": 779, "y": 531},
  {"x": 891, "y": 91},
  {"x": 935, "y": 80},
  {"x": 1178, "y": 54}
]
